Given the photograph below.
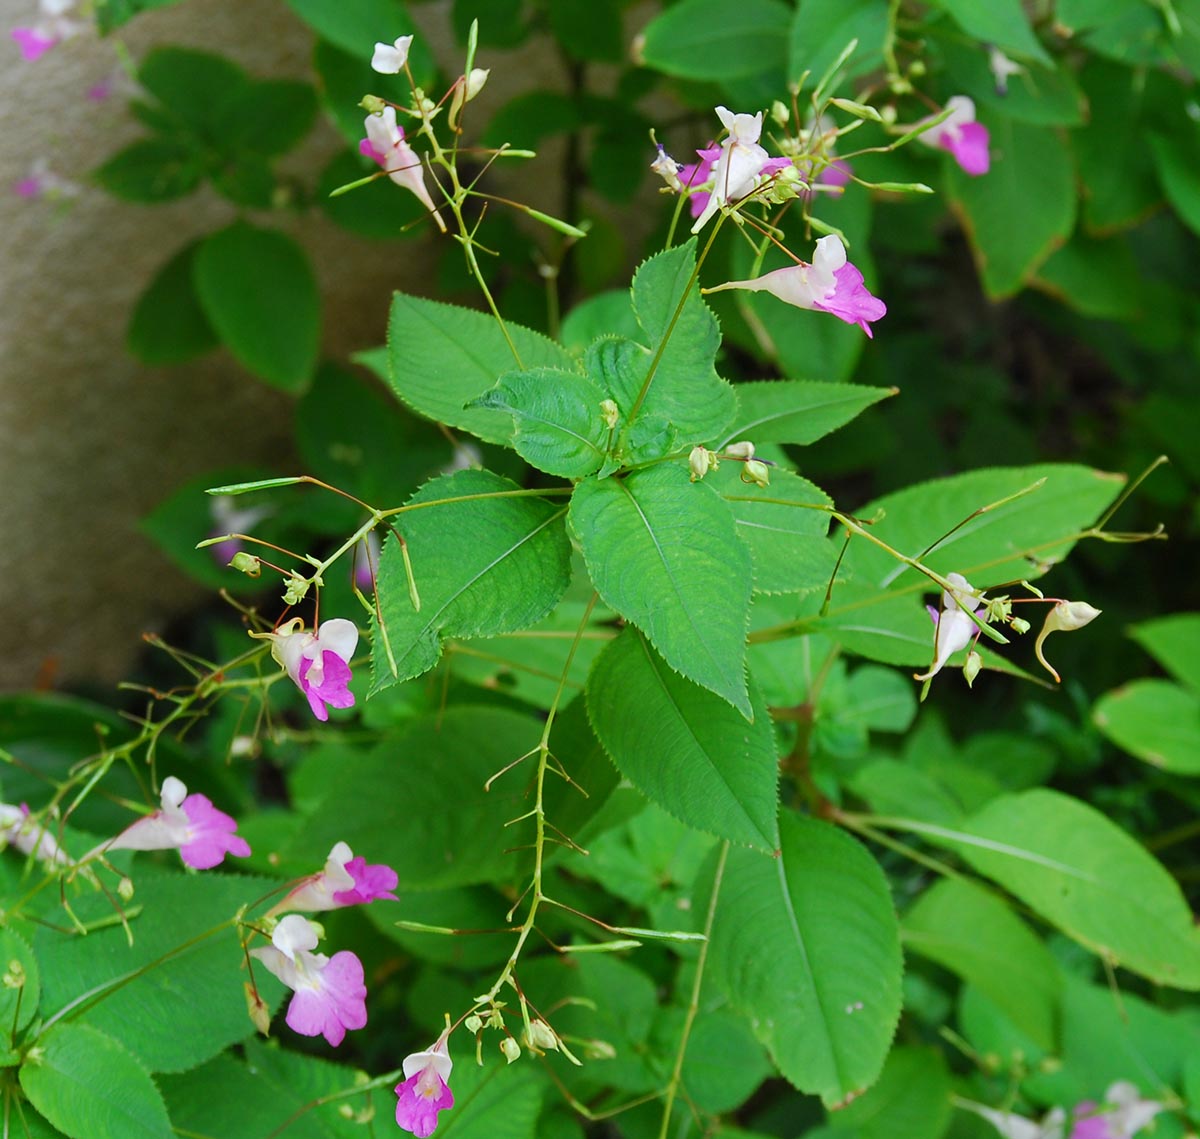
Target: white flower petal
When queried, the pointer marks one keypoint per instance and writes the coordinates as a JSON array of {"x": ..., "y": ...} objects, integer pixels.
[{"x": 337, "y": 636}]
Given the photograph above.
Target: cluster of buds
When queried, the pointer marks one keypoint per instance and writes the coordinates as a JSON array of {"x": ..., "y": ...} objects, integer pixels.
[
  {"x": 701, "y": 460},
  {"x": 959, "y": 621}
]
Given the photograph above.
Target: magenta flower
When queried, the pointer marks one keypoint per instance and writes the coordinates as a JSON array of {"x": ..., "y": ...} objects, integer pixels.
[
  {"x": 187, "y": 823},
  {"x": 49, "y": 31},
  {"x": 425, "y": 1090},
  {"x": 33, "y": 43},
  {"x": 385, "y": 145},
  {"x": 961, "y": 135},
  {"x": 42, "y": 182},
  {"x": 318, "y": 663},
  {"x": 953, "y": 630},
  {"x": 330, "y": 996},
  {"x": 19, "y": 829},
  {"x": 830, "y": 284},
  {"x": 345, "y": 881}
]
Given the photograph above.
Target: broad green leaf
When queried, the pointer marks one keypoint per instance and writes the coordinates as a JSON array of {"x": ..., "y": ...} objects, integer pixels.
[
  {"x": 558, "y": 424},
  {"x": 486, "y": 559},
  {"x": 1077, "y": 869},
  {"x": 1094, "y": 277},
  {"x": 710, "y": 40},
  {"x": 1020, "y": 539},
  {"x": 1116, "y": 194},
  {"x": 823, "y": 29},
  {"x": 195, "y": 86},
  {"x": 724, "y": 1064},
  {"x": 807, "y": 946},
  {"x": 685, "y": 748},
  {"x": 685, "y": 388},
  {"x": 450, "y": 829},
  {"x": 159, "y": 1018},
  {"x": 1174, "y": 642},
  {"x": 912, "y": 1098},
  {"x": 893, "y": 788},
  {"x": 1155, "y": 720},
  {"x": 168, "y": 325},
  {"x": 606, "y": 314},
  {"x": 788, "y": 541},
  {"x": 258, "y": 291},
  {"x": 355, "y": 25},
  {"x": 1022, "y": 210},
  {"x": 496, "y": 1101},
  {"x": 999, "y": 22},
  {"x": 89, "y": 1087},
  {"x": 975, "y": 935},
  {"x": 18, "y": 1004},
  {"x": 500, "y": 23},
  {"x": 441, "y": 357},
  {"x": 588, "y": 30},
  {"x": 463, "y": 907},
  {"x": 152, "y": 170},
  {"x": 379, "y": 210},
  {"x": 797, "y": 411},
  {"x": 664, "y": 553},
  {"x": 268, "y": 118}
]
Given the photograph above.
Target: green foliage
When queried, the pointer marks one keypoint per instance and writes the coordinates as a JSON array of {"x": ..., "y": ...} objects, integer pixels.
[
  {"x": 705, "y": 39},
  {"x": 168, "y": 325},
  {"x": 912, "y": 1098},
  {"x": 822, "y": 29}
]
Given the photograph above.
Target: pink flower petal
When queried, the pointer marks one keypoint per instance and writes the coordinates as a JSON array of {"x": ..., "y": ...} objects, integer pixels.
[
  {"x": 28, "y": 188},
  {"x": 368, "y": 151},
  {"x": 371, "y": 883},
  {"x": 332, "y": 690},
  {"x": 33, "y": 44},
  {"x": 969, "y": 145},
  {"x": 417, "y": 1109},
  {"x": 851, "y": 301},
  {"x": 212, "y": 835},
  {"x": 336, "y": 1004},
  {"x": 835, "y": 174}
]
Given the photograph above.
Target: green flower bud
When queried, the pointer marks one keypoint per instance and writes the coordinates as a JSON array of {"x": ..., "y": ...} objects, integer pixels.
[
  {"x": 700, "y": 462},
  {"x": 742, "y": 450},
  {"x": 125, "y": 889},
  {"x": 780, "y": 113},
  {"x": 246, "y": 563},
  {"x": 541, "y": 1037},
  {"x": 372, "y": 104},
  {"x": 473, "y": 1024},
  {"x": 974, "y": 663},
  {"x": 510, "y": 1048},
  {"x": 1065, "y": 617},
  {"x": 757, "y": 473},
  {"x": 610, "y": 413},
  {"x": 599, "y": 1050},
  {"x": 1018, "y": 625},
  {"x": 297, "y": 587}
]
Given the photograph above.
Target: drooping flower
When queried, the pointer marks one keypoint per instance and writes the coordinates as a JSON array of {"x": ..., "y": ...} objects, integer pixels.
[
  {"x": 51, "y": 29},
  {"x": 1065, "y": 617},
  {"x": 739, "y": 163},
  {"x": 345, "y": 881},
  {"x": 385, "y": 145},
  {"x": 830, "y": 284},
  {"x": 187, "y": 823},
  {"x": 961, "y": 135},
  {"x": 330, "y": 996},
  {"x": 953, "y": 629},
  {"x": 318, "y": 663},
  {"x": 18, "y": 828},
  {"x": 390, "y": 59},
  {"x": 425, "y": 1090}
]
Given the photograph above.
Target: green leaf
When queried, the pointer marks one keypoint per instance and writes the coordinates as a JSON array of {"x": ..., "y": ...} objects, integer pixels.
[
  {"x": 159, "y": 1018},
  {"x": 494, "y": 1102},
  {"x": 788, "y": 542},
  {"x": 379, "y": 210},
  {"x": 685, "y": 389},
  {"x": 1155, "y": 720},
  {"x": 807, "y": 946},
  {"x": 1174, "y": 642},
  {"x": 112, "y": 14},
  {"x": 268, "y": 118},
  {"x": 558, "y": 423},
  {"x": 912, "y": 1098},
  {"x": 606, "y": 314},
  {"x": 1022, "y": 210},
  {"x": 168, "y": 325},
  {"x": 685, "y": 748},
  {"x": 1094, "y": 277},
  {"x": 711, "y": 40},
  {"x": 18, "y": 1006},
  {"x": 441, "y": 357},
  {"x": 823, "y": 29},
  {"x": 259, "y": 293},
  {"x": 452, "y": 826},
  {"x": 195, "y": 86},
  {"x": 975, "y": 935},
  {"x": 89, "y": 1087},
  {"x": 797, "y": 411},
  {"x": 999, "y": 22},
  {"x": 665, "y": 554},
  {"x": 152, "y": 170},
  {"x": 724, "y": 1064},
  {"x": 1081, "y": 872},
  {"x": 483, "y": 566},
  {"x": 588, "y": 30},
  {"x": 355, "y": 25},
  {"x": 343, "y": 77},
  {"x": 893, "y": 788}
]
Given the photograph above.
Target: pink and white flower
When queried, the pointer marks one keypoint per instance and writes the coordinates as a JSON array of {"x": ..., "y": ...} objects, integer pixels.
[
  {"x": 1122, "y": 1116},
  {"x": 830, "y": 284},
  {"x": 425, "y": 1090},
  {"x": 735, "y": 170},
  {"x": 319, "y": 662},
  {"x": 18, "y": 828},
  {"x": 961, "y": 135},
  {"x": 52, "y": 28},
  {"x": 391, "y": 59},
  {"x": 953, "y": 629},
  {"x": 385, "y": 145},
  {"x": 187, "y": 823},
  {"x": 42, "y": 182},
  {"x": 330, "y": 996},
  {"x": 345, "y": 881}
]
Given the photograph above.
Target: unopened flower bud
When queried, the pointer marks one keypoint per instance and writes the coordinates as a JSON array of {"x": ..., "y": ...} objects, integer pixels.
[
  {"x": 14, "y": 978},
  {"x": 667, "y": 169},
  {"x": 780, "y": 113},
  {"x": 372, "y": 104},
  {"x": 297, "y": 587},
  {"x": 1065, "y": 617},
  {"x": 510, "y": 1048},
  {"x": 495, "y": 1019},
  {"x": 610, "y": 413},
  {"x": 757, "y": 473},
  {"x": 699, "y": 462},
  {"x": 888, "y": 113},
  {"x": 464, "y": 91},
  {"x": 260, "y": 1014},
  {"x": 1018, "y": 625},
  {"x": 916, "y": 69},
  {"x": 246, "y": 563},
  {"x": 541, "y": 1037},
  {"x": 125, "y": 889},
  {"x": 742, "y": 450},
  {"x": 599, "y": 1050},
  {"x": 971, "y": 667},
  {"x": 473, "y": 1024}
]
